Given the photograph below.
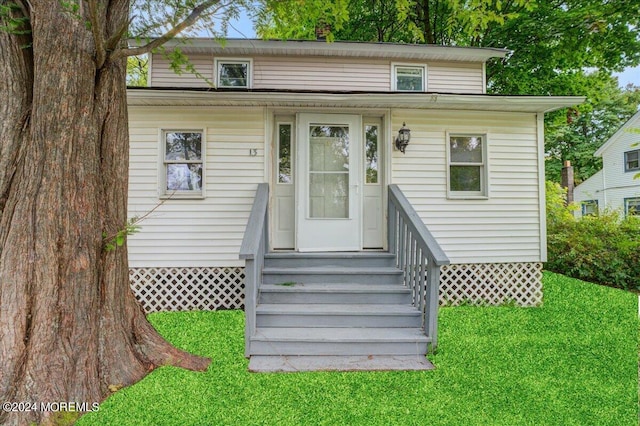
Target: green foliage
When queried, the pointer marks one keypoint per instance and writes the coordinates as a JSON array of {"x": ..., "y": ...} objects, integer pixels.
[
  {"x": 297, "y": 19},
  {"x": 495, "y": 366},
  {"x": 13, "y": 19},
  {"x": 404, "y": 21},
  {"x": 603, "y": 249},
  {"x": 558, "y": 213},
  {"x": 113, "y": 241},
  {"x": 137, "y": 71}
]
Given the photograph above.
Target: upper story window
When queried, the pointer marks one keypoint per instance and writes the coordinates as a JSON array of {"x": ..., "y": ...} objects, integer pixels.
[
  {"x": 632, "y": 161},
  {"x": 234, "y": 73},
  {"x": 409, "y": 78},
  {"x": 183, "y": 162},
  {"x": 467, "y": 155}
]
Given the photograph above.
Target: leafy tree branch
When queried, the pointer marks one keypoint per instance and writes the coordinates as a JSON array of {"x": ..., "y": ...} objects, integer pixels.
[{"x": 195, "y": 14}]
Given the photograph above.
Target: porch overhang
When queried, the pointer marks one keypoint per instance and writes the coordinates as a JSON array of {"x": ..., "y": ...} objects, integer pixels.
[{"x": 364, "y": 100}]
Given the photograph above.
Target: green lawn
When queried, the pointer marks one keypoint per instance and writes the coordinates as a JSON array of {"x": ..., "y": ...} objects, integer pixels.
[{"x": 572, "y": 362}]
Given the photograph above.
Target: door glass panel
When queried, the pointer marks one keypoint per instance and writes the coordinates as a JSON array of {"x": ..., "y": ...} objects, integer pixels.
[
  {"x": 371, "y": 153},
  {"x": 284, "y": 153},
  {"x": 328, "y": 171}
]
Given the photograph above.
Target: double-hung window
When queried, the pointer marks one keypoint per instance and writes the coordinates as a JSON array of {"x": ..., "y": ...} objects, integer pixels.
[
  {"x": 590, "y": 208},
  {"x": 233, "y": 73},
  {"x": 632, "y": 161},
  {"x": 467, "y": 171},
  {"x": 183, "y": 162},
  {"x": 409, "y": 78},
  {"x": 632, "y": 206}
]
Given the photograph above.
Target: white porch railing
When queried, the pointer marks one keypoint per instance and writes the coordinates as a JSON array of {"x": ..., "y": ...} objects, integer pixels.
[
  {"x": 419, "y": 255},
  {"x": 253, "y": 248}
]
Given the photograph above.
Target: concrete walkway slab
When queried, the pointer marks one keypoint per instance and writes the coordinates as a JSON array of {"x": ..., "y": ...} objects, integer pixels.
[{"x": 291, "y": 364}]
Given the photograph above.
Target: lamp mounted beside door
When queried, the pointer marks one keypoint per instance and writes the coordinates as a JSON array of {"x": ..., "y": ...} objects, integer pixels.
[{"x": 403, "y": 138}]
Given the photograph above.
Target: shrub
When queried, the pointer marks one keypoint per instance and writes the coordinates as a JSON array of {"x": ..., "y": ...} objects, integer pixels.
[{"x": 603, "y": 249}]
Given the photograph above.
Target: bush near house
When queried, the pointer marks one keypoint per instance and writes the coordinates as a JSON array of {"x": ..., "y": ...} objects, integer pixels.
[{"x": 602, "y": 249}]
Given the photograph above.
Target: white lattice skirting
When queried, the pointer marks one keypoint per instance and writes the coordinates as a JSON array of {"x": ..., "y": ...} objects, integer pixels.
[
  {"x": 491, "y": 283},
  {"x": 186, "y": 289},
  {"x": 210, "y": 289}
]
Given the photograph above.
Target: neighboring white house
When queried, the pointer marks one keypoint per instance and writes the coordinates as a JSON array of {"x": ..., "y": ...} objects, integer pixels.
[
  {"x": 614, "y": 187},
  {"x": 474, "y": 168}
]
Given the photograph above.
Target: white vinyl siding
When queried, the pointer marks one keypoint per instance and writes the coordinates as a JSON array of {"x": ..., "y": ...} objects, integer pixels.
[
  {"x": 161, "y": 75},
  {"x": 324, "y": 73},
  {"x": 452, "y": 77},
  {"x": 506, "y": 227},
  {"x": 205, "y": 232},
  {"x": 332, "y": 74}
]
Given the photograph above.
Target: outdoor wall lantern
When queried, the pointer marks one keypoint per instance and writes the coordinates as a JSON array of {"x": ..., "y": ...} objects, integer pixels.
[{"x": 404, "y": 135}]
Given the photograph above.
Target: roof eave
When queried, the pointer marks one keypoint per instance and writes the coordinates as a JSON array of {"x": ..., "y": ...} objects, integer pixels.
[
  {"x": 625, "y": 127},
  {"x": 337, "y": 48},
  {"x": 532, "y": 104}
]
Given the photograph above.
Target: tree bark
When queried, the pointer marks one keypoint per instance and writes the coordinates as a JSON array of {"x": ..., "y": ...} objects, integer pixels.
[{"x": 70, "y": 327}]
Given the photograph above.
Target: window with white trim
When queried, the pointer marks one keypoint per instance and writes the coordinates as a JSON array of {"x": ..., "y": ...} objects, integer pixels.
[
  {"x": 234, "y": 73},
  {"x": 632, "y": 161},
  {"x": 183, "y": 162},
  {"x": 467, "y": 172},
  {"x": 632, "y": 206},
  {"x": 409, "y": 78},
  {"x": 590, "y": 208}
]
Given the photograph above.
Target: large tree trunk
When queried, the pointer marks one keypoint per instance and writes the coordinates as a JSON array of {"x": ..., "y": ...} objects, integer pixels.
[{"x": 70, "y": 328}]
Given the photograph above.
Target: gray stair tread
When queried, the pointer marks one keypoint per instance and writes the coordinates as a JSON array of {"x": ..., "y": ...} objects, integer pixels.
[
  {"x": 333, "y": 270},
  {"x": 293, "y": 363},
  {"x": 365, "y": 335},
  {"x": 332, "y": 254},
  {"x": 331, "y": 309},
  {"x": 335, "y": 288}
]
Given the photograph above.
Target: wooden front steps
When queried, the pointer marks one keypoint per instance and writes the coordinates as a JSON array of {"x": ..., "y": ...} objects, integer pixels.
[{"x": 335, "y": 304}]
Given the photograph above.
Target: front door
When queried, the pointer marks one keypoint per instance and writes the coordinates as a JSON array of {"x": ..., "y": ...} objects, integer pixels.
[{"x": 328, "y": 192}]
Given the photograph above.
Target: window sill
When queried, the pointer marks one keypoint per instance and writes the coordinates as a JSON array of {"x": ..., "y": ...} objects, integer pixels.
[
  {"x": 466, "y": 197},
  {"x": 182, "y": 197}
]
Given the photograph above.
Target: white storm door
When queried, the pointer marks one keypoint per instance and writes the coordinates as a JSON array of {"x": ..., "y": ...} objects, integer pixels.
[{"x": 329, "y": 185}]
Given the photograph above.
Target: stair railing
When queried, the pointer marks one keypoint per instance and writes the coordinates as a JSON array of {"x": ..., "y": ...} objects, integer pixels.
[
  {"x": 419, "y": 256},
  {"x": 253, "y": 248}
]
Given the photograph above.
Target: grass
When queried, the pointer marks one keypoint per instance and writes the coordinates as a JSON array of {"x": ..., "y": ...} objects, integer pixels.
[{"x": 573, "y": 361}]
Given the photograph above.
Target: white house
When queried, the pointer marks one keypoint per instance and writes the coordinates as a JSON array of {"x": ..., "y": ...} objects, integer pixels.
[
  {"x": 614, "y": 187},
  {"x": 320, "y": 126}
]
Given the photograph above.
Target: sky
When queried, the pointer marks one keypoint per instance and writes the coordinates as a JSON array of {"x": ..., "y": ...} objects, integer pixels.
[{"x": 243, "y": 28}]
